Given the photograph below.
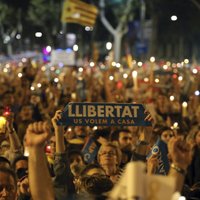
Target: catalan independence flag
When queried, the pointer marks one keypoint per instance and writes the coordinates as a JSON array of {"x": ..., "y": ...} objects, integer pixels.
[{"x": 76, "y": 11}]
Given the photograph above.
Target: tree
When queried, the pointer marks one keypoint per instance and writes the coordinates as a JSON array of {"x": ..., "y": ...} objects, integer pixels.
[
  {"x": 46, "y": 15},
  {"x": 121, "y": 28}
]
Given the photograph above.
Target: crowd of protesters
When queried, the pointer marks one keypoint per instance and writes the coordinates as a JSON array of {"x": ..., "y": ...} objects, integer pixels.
[{"x": 41, "y": 160}]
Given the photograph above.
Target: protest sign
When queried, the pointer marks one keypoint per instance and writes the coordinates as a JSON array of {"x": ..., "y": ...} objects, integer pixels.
[
  {"x": 103, "y": 114},
  {"x": 90, "y": 150},
  {"x": 160, "y": 148}
]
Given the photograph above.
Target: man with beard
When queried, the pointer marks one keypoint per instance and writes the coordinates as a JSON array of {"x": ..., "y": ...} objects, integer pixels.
[{"x": 124, "y": 139}]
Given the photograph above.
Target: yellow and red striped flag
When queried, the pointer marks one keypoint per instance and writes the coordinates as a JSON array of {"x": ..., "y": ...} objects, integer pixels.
[{"x": 76, "y": 11}]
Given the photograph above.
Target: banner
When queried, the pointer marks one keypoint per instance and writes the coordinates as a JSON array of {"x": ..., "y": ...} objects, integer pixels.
[
  {"x": 90, "y": 150},
  {"x": 103, "y": 114},
  {"x": 76, "y": 11},
  {"x": 134, "y": 183},
  {"x": 160, "y": 148}
]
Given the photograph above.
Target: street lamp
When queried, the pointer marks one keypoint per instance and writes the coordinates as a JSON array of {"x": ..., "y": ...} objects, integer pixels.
[{"x": 174, "y": 17}]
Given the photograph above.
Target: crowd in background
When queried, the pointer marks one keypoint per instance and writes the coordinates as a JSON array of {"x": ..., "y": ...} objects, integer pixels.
[{"x": 33, "y": 96}]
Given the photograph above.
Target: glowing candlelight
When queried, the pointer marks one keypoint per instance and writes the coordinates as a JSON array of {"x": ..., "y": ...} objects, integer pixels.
[
  {"x": 135, "y": 81},
  {"x": 184, "y": 109}
]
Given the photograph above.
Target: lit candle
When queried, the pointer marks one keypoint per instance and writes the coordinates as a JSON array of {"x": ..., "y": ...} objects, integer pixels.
[
  {"x": 184, "y": 109},
  {"x": 2, "y": 123},
  {"x": 135, "y": 81}
]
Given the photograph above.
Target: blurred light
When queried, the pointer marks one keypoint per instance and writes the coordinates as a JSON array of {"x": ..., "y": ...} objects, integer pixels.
[
  {"x": 5, "y": 70},
  {"x": 87, "y": 28},
  {"x": 157, "y": 80},
  {"x": 146, "y": 79},
  {"x": 186, "y": 61},
  {"x": 39, "y": 85},
  {"x": 139, "y": 64},
  {"x": 56, "y": 80},
  {"x": 80, "y": 69},
  {"x": 80, "y": 78},
  {"x": 73, "y": 95},
  {"x": 175, "y": 125},
  {"x": 38, "y": 34},
  {"x": 58, "y": 71},
  {"x": 60, "y": 64},
  {"x": 32, "y": 88},
  {"x": 168, "y": 63},
  {"x": 113, "y": 64},
  {"x": 18, "y": 36},
  {"x": 52, "y": 68},
  {"x": 95, "y": 128},
  {"x": 20, "y": 64},
  {"x": 197, "y": 93},
  {"x": 125, "y": 75},
  {"x": 165, "y": 67},
  {"x": 43, "y": 68},
  {"x": 6, "y": 39},
  {"x": 134, "y": 62},
  {"x": 7, "y": 66},
  {"x": 174, "y": 17},
  {"x": 152, "y": 59},
  {"x": 75, "y": 47},
  {"x": 179, "y": 65},
  {"x": 174, "y": 76},
  {"x": 194, "y": 71},
  {"x": 48, "y": 49},
  {"x": 91, "y": 64},
  {"x": 108, "y": 45},
  {"x": 180, "y": 78},
  {"x": 61, "y": 32},
  {"x": 24, "y": 60},
  {"x": 111, "y": 78},
  {"x": 171, "y": 98},
  {"x": 134, "y": 74},
  {"x": 118, "y": 65},
  {"x": 19, "y": 75},
  {"x": 184, "y": 104},
  {"x": 69, "y": 129}
]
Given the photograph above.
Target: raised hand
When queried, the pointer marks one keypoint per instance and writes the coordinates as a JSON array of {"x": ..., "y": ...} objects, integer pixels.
[
  {"x": 180, "y": 152},
  {"x": 56, "y": 118},
  {"x": 37, "y": 134}
]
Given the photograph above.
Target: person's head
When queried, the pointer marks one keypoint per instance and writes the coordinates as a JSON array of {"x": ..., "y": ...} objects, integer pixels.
[
  {"x": 109, "y": 154},
  {"x": 52, "y": 143},
  {"x": 166, "y": 134},
  {"x": 76, "y": 162},
  {"x": 102, "y": 135},
  {"x": 20, "y": 162},
  {"x": 26, "y": 112},
  {"x": 124, "y": 139},
  {"x": 80, "y": 131},
  {"x": 4, "y": 147},
  {"x": 96, "y": 184},
  {"x": 8, "y": 99},
  {"x": 4, "y": 162},
  {"x": 92, "y": 169},
  {"x": 8, "y": 184}
]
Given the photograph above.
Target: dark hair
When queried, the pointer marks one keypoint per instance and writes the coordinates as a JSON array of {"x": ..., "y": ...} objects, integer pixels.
[
  {"x": 3, "y": 159},
  {"x": 115, "y": 134},
  {"x": 9, "y": 172},
  {"x": 18, "y": 159},
  {"x": 89, "y": 167},
  {"x": 105, "y": 133},
  {"x": 96, "y": 184}
]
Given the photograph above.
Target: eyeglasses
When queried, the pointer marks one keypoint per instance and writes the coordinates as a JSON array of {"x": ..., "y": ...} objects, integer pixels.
[{"x": 110, "y": 153}]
